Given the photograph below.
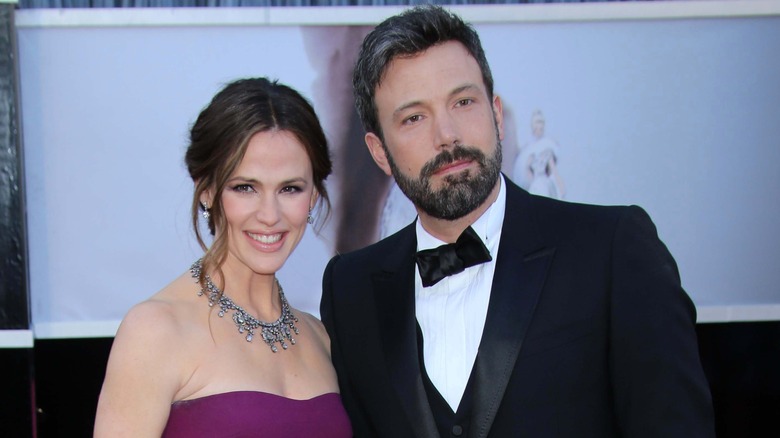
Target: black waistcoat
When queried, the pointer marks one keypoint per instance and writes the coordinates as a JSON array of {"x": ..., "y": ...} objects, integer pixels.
[{"x": 450, "y": 424}]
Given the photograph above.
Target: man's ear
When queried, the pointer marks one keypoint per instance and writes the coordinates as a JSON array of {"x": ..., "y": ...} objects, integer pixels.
[
  {"x": 378, "y": 152},
  {"x": 498, "y": 114}
]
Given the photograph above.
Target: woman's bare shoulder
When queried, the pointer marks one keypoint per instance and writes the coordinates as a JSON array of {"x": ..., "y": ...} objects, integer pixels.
[
  {"x": 151, "y": 323},
  {"x": 315, "y": 326},
  {"x": 163, "y": 311},
  {"x": 149, "y": 362}
]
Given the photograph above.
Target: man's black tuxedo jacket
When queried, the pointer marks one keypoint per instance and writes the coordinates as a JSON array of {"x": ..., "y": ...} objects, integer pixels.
[{"x": 588, "y": 332}]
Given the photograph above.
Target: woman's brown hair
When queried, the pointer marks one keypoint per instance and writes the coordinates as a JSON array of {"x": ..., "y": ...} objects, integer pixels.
[{"x": 218, "y": 142}]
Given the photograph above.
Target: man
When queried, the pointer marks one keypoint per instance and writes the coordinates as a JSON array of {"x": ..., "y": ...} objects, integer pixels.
[{"x": 547, "y": 319}]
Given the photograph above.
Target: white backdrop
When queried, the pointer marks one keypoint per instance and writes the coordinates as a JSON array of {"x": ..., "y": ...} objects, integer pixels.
[{"x": 679, "y": 116}]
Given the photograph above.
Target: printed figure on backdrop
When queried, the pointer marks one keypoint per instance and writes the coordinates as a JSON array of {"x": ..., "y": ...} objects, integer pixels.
[
  {"x": 496, "y": 312},
  {"x": 358, "y": 188},
  {"x": 220, "y": 352},
  {"x": 536, "y": 165},
  {"x": 397, "y": 212}
]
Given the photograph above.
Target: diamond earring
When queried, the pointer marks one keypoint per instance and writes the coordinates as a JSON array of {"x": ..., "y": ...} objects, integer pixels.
[{"x": 206, "y": 213}]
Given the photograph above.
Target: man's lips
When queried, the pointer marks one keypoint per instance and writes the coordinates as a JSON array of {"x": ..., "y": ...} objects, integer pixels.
[{"x": 453, "y": 167}]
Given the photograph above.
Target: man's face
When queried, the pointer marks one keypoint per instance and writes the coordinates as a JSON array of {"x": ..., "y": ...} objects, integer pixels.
[{"x": 441, "y": 131}]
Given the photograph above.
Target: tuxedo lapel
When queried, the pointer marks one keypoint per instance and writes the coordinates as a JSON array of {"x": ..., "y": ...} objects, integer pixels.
[
  {"x": 394, "y": 297},
  {"x": 521, "y": 269}
]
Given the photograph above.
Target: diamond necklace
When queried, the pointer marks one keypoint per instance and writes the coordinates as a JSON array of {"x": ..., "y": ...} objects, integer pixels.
[{"x": 273, "y": 332}]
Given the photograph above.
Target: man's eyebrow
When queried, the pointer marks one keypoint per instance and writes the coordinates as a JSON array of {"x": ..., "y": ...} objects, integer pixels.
[
  {"x": 464, "y": 87},
  {"x": 406, "y": 106},
  {"x": 457, "y": 90}
]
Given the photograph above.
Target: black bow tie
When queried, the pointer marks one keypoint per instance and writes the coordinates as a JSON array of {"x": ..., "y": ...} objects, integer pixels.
[{"x": 452, "y": 258}]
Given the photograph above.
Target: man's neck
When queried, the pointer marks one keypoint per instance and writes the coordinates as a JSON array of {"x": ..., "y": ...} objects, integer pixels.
[{"x": 449, "y": 230}]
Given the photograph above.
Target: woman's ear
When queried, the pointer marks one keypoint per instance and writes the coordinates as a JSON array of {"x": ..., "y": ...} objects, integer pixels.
[
  {"x": 206, "y": 199},
  {"x": 315, "y": 196}
]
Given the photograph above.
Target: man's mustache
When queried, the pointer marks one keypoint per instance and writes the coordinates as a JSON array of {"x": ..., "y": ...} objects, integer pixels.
[{"x": 446, "y": 157}]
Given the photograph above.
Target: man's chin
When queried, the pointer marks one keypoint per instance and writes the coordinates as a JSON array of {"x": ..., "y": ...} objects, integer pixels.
[{"x": 450, "y": 179}]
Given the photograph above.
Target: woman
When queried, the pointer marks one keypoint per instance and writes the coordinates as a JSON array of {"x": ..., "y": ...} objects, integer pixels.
[{"x": 180, "y": 364}]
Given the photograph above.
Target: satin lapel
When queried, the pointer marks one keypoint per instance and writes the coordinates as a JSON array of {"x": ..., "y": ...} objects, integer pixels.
[
  {"x": 394, "y": 295},
  {"x": 521, "y": 269}
]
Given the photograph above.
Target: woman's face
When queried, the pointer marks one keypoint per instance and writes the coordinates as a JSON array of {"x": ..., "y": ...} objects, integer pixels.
[{"x": 267, "y": 200}]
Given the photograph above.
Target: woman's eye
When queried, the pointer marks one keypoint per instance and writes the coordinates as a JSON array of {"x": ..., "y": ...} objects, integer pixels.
[
  {"x": 291, "y": 189},
  {"x": 243, "y": 188}
]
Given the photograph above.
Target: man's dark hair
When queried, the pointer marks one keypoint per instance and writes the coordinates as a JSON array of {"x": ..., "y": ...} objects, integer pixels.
[{"x": 407, "y": 34}]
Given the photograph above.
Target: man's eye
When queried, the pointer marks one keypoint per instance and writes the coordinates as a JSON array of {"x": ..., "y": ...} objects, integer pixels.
[
  {"x": 412, "y": 119},
  {"x": 464, "y": 102}
]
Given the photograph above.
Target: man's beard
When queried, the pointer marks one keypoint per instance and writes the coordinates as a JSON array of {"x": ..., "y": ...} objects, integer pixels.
[{"x": 461, "y": 193}]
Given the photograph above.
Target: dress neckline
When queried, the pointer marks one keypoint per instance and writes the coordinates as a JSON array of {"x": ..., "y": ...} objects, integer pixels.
[{"x": 240, "y": 393}]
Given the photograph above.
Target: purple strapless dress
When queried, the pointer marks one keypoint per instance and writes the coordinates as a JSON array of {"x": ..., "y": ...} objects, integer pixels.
[{"x": 258, "y": 414}]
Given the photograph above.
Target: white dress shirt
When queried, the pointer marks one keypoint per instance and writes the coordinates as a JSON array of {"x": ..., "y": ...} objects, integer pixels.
[{"x": 452, "y": 312}]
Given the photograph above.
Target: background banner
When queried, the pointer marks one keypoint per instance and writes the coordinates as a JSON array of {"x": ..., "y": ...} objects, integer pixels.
[{"x": 679, "y": 116}]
